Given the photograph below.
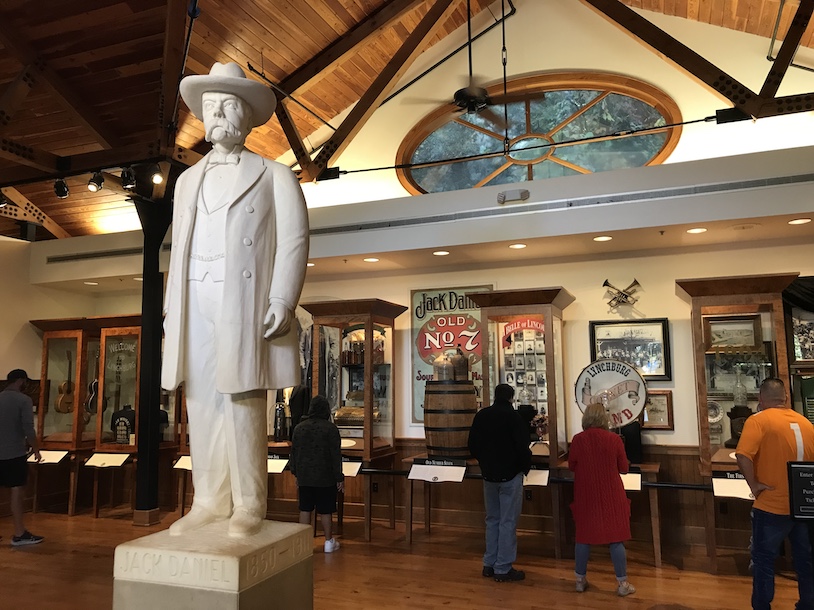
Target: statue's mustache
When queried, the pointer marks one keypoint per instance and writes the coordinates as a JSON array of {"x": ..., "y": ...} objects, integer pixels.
[{"x": 230, "y": 128}]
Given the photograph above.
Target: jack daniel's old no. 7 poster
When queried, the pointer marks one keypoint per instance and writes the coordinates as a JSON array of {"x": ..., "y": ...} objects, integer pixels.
[{"x": 443, "y": 319}]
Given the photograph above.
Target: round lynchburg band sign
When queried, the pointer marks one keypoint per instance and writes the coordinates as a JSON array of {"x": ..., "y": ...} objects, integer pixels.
[{"x": 614, "y": 384}]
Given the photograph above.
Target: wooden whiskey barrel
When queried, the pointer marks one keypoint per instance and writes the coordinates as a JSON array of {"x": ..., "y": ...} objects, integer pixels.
[{"x": 449, "y": 408}]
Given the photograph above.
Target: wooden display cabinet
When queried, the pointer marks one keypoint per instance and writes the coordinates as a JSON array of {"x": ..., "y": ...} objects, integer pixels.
[
  {"x": 353, "y": 364},
  {"x": 738, "y": 340},
  {"x": 117, "y": 426},
  {"x": 527, "y": 325},
  {"x": 353, "y": 368},
  {"x": 68, "y": 405},
  {"x": 738, "y": 331},
  {"x": 65, "y": 416}
]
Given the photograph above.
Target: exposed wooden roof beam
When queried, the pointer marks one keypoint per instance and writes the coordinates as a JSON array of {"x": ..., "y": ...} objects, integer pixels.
[
  {"x": 785, "y": 56},
  {"x": 83, "y": 113},
  {"x": 395, "y": 68},
  {"x": 665, "y": 45},
  {"x": 25, "y": 155},
  {"x": 171, "y": 65},
  {"x": 14, "y": 95},
  {"x": 83, "y": 163},
  {"x": 308, "y": 169},
  {"x": 26, "y": 211},
  {"x": 336, "y": 51}
]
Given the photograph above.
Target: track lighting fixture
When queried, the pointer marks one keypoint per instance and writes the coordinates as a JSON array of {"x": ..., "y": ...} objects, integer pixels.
[
  {"x": 96, "y": 182},
  {"x": 128, "y": 178},
  {"x": 3, "y": 201},
  {"x": 61, "y": 188},
  {"x": 155, "y": 174}
]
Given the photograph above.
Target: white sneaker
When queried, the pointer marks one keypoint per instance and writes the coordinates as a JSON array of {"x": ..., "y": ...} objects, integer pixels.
[
  {"x": 331, "y": 545},
  {"x": 625, "y": 588}
]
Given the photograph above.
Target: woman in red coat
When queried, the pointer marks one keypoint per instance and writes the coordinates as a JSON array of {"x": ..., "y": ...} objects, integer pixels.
[{"x": 601, "y": 508}]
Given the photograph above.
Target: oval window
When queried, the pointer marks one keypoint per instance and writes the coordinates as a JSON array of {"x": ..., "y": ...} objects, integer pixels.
[{"x": 558, "y": 125}]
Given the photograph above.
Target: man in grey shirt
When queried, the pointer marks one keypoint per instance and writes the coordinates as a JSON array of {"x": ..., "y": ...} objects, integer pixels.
[{"x": 16, "y": 436}]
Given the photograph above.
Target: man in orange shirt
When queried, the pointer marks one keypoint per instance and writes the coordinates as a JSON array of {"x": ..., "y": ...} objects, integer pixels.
[{"x": 772, "y": 438}]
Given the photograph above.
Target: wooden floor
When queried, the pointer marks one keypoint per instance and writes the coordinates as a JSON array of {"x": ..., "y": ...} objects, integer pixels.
[{"x": 73, "y": 569}]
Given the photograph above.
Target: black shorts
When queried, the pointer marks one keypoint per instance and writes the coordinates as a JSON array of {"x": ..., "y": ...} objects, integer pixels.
[
  {"x": 321, "y": 498},
  {"x": 14, "y": 472}
]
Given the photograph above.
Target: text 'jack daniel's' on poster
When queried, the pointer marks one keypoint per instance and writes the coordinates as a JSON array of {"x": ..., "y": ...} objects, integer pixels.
[{"x": 441, "y": 320}]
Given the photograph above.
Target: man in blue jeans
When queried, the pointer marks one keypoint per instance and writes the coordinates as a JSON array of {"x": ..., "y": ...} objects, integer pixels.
[
  {"x": 499, "y": 440},
  {"x": 773, "y": 437}
]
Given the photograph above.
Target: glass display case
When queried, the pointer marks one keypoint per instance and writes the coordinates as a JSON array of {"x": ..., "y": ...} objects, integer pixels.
[
  {"x": 738, "y": 340},
  {"x": 523, "y": 348},
  {"x": 65, "y": 408},
  {"x": 117, "y": 424},
  {"x": 353, "y": 368}
]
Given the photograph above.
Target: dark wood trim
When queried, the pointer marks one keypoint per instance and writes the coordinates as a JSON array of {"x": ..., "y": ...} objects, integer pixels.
[
  {"x": 14, "y": 95},
  {"x": 307, "y": 170},
  {"x": 385, "y": 81},
  {"x": 684, "y": 57},
  {"x": 334, "y": 53},
  {"x": 791, "y": 42}
]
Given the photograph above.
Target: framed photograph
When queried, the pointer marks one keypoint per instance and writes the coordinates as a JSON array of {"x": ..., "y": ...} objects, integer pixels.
[
  {"x": 540, "y": 361},
  {"x": 732, "y": 331},
  {"x": 510, "y": 378},
  {"x": 539, "y": 346},
  {"x": 531, "y": 363},
  {"x": 508, "y": 363},
  {"x": 644, "y": 344},
  {"x": 520, "y": 363},
  {"x": 658, "y": 410},
  {"x": 802, "y": 329},
  {"x": 529, "y": 346}
]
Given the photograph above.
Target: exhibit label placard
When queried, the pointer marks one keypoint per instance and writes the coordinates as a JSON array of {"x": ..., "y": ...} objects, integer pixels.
[{"x": 801, "y": 489}]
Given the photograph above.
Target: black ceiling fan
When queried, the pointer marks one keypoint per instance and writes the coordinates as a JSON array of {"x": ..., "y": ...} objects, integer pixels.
[{"x": 474, "y": 99}]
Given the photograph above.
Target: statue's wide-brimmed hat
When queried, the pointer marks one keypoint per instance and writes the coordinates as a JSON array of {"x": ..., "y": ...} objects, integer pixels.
[{"x": 229, "y": 78}]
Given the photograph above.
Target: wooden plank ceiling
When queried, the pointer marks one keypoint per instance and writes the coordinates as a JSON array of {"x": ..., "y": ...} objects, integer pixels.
[{"x": 91, "y": 84}]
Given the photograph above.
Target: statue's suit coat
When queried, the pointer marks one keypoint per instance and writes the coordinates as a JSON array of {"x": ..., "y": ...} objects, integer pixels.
[{"x": 266, "y": 253}]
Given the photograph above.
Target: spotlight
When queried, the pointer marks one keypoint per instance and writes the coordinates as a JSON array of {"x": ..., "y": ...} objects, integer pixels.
[
  {"x": 155, "y": 174},
  {"x": 61, "y": 188},
  {"x": 128, "y": 178},
  {"x": 96, "y": 182}
]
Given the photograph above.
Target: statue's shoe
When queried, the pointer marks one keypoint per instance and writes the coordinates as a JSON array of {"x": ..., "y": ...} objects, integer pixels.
[
  {"x": 194, "y": 519},
  {"x": 244, "y": 523}
]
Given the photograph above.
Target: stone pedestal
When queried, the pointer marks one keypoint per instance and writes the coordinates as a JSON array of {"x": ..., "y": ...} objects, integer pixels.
[{"x": 208, "y": 570}]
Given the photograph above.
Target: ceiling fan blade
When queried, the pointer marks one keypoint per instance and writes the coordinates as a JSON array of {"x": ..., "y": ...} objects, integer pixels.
[
  {"x": 519, "y": 96},
  {"x": 415, "y": 101},
  {"x": 494, "y": 118}
]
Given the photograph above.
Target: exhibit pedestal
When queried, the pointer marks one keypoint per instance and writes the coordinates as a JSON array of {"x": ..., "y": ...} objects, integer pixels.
[{"x": 208, "y": 570}]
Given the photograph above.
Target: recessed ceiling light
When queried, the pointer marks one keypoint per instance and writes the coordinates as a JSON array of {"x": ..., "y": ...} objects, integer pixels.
[
  {"x": 371, "y": 260},
  {"x": 91, "y": 283},
  {"x": 309, "y": 264},
  {"x": 603, "y": 238},
  {"x": 799, "y": 221},
  {"x": 697, "y": 230},
  {"x": 440, "y": 253},
  {"x": 517, "y": 246},
  {"x": 138, "y": 279}
]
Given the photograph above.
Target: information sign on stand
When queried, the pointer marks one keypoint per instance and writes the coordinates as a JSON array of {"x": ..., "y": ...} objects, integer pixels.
[
  {"x": 801, "y": 489},
  {"x": 730, "y": 485},
  {"x": 537, "y": 476},
  {"x": 276, "y": 464},
  {"x": 438, "y": 470},
  {"x": 48, "y": 457},
  {"x": 632, "y": 481},
  {"x": 351, "y": 467},
  {"x": 183, "y": 463},
  {"x": 107, "y": 460}
]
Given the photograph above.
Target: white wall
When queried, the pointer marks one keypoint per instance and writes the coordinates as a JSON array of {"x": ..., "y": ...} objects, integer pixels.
[
  {"x": 657, "y": 275},
  {"x": 21, "y": 342}
]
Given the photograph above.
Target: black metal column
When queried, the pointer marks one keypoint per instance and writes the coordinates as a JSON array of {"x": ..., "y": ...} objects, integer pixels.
[{"x": 156, "y": 217}]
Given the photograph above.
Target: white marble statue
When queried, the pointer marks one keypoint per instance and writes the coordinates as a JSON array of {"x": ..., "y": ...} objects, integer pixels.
[{"x": 239, "y": 251}]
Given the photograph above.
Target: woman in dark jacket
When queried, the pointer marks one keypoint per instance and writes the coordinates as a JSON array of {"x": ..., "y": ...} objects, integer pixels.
[
  {"x": 601, "y": 508},
  {"x": 316, "y": 461}
]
